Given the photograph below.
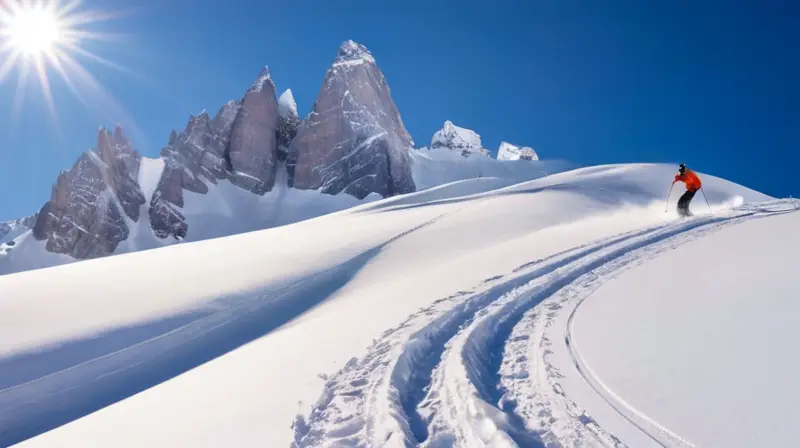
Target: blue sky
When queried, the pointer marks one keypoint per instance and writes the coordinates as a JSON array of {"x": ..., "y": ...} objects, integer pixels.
[{"x": 711, "y": 84}]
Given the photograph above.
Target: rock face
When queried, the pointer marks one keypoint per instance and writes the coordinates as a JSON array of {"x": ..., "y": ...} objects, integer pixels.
[
  {"x": 85, "y": 216},
  {"x": 196, "y": 155},
  {"x": 252, "y": 154},
  {"x": 240, "y": 144},
  {"x": 507, "y": 151},
  {"x": 354, "y": 140},
  {"x": 465, "y": 141},
  {"x": 122, "y": 163}
]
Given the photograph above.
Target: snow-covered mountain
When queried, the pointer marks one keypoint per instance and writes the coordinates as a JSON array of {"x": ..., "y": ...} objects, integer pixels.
[
  {"x": 12, "y": 229},
  {"x": 253, "y": 165},
  {"x": 467, "y": 142},
  {"x": 462, "y": 140},
  {"x": 537, "y": 314},
  {"x": 507, "y": 151}
]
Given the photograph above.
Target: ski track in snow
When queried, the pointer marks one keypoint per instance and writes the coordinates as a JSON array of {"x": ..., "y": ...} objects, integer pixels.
[{"x": 475, "y": 368}]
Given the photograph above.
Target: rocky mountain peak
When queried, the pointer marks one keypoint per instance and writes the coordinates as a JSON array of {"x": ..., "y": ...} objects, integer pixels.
[
  {"x": 252, "y": 152},
  {"x": 197, "y": 121},
  {"x": 264, "y": 80},
  {"x": 353, "y": 53},
  {"x": 354, "y": 140},
  {"x": 86, "y": 214},
  {"x": 239, "y": 144}
]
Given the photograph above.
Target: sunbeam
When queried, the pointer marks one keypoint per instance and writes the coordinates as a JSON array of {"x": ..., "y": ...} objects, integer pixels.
[{"x": 45, "y": 39}]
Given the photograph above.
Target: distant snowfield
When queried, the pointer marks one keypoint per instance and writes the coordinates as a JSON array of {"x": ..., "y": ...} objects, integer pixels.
[{"x": 425, "y": 319}]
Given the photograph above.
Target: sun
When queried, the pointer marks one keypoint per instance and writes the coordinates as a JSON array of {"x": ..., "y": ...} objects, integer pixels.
[
  {"x": 36, "y": 30},
  {"x": 33, "y": 30},
  {"x": 46, "y": 37}
]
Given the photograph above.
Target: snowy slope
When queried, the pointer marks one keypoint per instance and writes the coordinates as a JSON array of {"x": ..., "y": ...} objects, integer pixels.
[
  {"x": 433, "y": 167},
  {"x": 229, "y": 349}
]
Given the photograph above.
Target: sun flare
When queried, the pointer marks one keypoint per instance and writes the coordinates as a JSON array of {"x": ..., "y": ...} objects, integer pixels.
[
  {"x": 33, "y": 30},
  {"x": 47, "y": 37}
]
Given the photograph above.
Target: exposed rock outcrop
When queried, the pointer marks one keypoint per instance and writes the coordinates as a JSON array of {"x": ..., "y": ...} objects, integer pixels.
[
  {"x": 240, "y": 144},
  {"x": 122, "y": 163},
  {"x": 196, "y": 155},
  {"x": 85, "y": 216},
  {"x": 354, "y": 140},
  {"x": 253, "y": 149}
]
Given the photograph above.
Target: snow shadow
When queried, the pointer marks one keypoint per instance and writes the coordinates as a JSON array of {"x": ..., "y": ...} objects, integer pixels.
[
  {"x": 621, "y": 194},
  {"x": 50, "y": 388},
  {"x": 461, "y": 188},
  {"x": 22, "y": 368}
]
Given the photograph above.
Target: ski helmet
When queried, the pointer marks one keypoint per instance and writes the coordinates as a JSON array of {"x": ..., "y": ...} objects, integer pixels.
[{"x": 682, "y": 168}]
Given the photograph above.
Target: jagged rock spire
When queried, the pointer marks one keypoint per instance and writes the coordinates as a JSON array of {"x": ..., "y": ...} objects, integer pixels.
[{"x": 354, "y": 140}]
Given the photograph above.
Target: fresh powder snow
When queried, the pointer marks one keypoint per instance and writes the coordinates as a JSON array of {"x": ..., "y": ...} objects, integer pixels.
[
  {"x": 693, "y": 343},
  {"x": 490, "y": 312}
]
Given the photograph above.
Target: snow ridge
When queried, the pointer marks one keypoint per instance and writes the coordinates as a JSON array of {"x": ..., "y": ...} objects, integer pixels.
[{"x": 456, "y": 372}]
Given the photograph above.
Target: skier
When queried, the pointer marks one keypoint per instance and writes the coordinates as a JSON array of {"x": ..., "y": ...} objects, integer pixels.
[{"x": 692, "y": 185}]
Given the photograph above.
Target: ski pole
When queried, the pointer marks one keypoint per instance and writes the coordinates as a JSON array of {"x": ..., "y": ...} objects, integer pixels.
[
  {"x": 704, "y": 197},
  {"x": 668, "y": 195}
]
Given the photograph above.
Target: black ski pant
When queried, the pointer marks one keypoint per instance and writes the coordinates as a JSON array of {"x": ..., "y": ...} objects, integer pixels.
[{"x": 683, "y": 202}]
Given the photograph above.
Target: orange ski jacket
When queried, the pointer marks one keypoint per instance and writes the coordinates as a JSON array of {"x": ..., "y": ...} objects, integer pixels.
[{"x": 690, "y": 179}]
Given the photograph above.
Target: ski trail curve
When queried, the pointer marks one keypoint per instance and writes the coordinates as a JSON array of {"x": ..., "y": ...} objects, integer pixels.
[
  {"x": 373, "y": 400},
  {"x": 462, "y": 400},
  {"x": 532, "y": 371},
  {"x": 446, "y": 375}
]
